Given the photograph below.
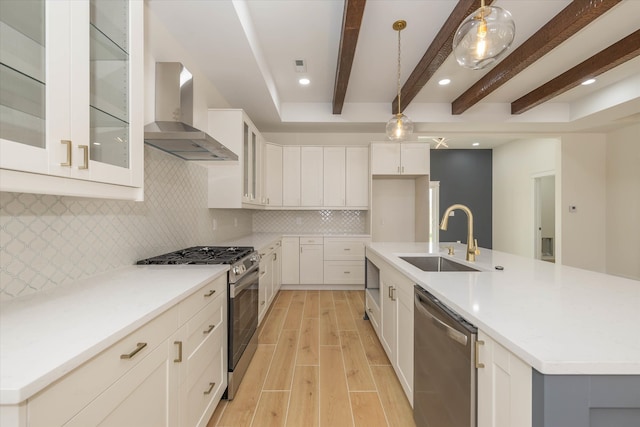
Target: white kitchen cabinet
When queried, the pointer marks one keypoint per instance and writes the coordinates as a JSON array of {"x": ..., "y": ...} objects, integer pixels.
[
  {"x": 291, "y": 176},
  {"x": 394, "y": 321},
  {"x": 357, "y": 177},
  {"x": 269, "y": 277},
  {"x": 234, "y": 184},
  {"x": 311, "y": 179},
  {"x": 311, "y": 261},
  {"x": 290, "y": 260},
  {"x": 504, "y": 386},
  {"x": 334, "y": 174},
  {"x": 272, "y": 173},
  {"x": 344, "y": 260},
  {"x": 159, "y": 375},
  {"x": 71, "y": 98},
  {"x": 407, "y": 158}
]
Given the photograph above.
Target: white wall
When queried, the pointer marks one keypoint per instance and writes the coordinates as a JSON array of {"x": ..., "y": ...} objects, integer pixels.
[
  {"x": 623, "y": 202},
  {"x": 514, "y": 166},
  {"x": 583, "y": 185}
]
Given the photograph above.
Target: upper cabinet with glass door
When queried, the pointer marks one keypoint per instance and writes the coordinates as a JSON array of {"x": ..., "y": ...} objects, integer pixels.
[{"x": 71, "y": 97}]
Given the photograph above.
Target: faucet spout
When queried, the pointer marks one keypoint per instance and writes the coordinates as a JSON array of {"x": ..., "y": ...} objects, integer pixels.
[{"x": 472, "y": 244}]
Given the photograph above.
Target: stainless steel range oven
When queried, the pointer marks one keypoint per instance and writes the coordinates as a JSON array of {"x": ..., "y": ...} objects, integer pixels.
[{"x": 242, "y": 300}]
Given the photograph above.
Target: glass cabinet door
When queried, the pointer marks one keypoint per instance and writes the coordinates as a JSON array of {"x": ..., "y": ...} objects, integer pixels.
[
  {"x": 109, "y": 82},
  {"x": 22, "y": 72}
]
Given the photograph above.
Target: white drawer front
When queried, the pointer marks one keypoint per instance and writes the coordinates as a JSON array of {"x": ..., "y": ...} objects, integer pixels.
[
  {"x": 315, "y": 240},
  {"x": 347, "y": 250},
  {"x": 344, "y": 272},
  {"x": 208, "y": 320},
  {"x": 67, "y": 396},
  {"x": 203, "y": 296}
]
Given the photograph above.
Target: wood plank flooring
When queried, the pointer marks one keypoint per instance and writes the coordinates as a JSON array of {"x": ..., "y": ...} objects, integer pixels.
[{"x": 318, "y": 364}]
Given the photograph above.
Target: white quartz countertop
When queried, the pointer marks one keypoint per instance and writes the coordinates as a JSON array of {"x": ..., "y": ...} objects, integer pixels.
[
  {"x": 558, "y": 319},
  {"x": 45, "y": 335}
]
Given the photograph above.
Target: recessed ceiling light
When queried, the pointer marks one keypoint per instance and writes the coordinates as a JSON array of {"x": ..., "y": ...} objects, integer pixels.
[
  {"x": 304, "y": 81},
  {"x": 475, "y": 144},
  {"x": 588, "y": 82},
  {"x": 444, "y": 82}
]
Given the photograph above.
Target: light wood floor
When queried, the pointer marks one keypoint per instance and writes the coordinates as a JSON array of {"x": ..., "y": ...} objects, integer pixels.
[{"x": 318, "y": 363}]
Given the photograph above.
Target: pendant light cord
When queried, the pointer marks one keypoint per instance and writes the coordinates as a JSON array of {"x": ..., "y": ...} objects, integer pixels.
[{"x": 399, "y": 108}]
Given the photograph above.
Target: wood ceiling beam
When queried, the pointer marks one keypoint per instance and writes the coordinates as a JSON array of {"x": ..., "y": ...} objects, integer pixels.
[
  {"x": 603, "y": 61},
  {"x": 577, "y": 15},
  {"x": 351, "y": 22},
  {"x": 436, "y": 53}
]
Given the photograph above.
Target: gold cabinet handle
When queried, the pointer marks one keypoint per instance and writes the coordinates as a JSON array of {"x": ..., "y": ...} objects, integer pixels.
[
  {"x": 211, "y": 292},
  {"x": 209, "y": 330},
  {"x": 211, "y": 386},
  {"x": 263, "y": 303},
  {"x": 85, "y": 156},
  {"x": 137, "y": 350},
  {"x": 478, "y": 344},
  {"x": 346, "y": 249},
  {"x": 179, "y": 359},
  {"x": 346, "y": 272},
  {"x": 68, "y": 144}
]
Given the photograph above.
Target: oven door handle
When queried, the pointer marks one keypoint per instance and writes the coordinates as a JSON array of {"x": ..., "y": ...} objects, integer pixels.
[
  {"x": 248, "y": 279},
  {"x": 451, "y": 333}
]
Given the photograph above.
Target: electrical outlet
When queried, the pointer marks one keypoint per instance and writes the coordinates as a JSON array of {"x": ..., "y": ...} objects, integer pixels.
[
  {"x": 215, "y": 224},
  {"x": 298, "y": 220},
  {"x": 235, "y": 222}
]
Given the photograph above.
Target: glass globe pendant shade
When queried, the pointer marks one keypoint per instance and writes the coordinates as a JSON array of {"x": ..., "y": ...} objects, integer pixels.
[
  {"x": 483, "y": 37},
  {"x": 399, "y": 127}
]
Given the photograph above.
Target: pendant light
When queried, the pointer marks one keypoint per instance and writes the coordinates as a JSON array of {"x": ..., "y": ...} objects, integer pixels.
[
  {"x": 399, "y": 126},
  {"x": 483, "y": 37}
]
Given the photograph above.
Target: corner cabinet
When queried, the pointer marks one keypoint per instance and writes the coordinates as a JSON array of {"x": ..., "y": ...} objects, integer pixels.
[
  {"x": 406, "y": 158},
  {"x": 236, "y": 184},
  {"x": 71, "y": 94}
]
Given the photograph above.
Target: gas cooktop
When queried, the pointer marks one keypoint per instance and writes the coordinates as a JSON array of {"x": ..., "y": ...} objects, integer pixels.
[{"x": 202, "y": 255}]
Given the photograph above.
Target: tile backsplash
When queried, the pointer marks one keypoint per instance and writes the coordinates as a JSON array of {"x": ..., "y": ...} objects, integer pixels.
[
  {"x": 322, "y": 221},
  {"x": 47, "y": 240}
]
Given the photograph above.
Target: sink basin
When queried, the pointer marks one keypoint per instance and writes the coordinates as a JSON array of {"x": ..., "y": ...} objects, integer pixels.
[{"x": 436, "y": 263}]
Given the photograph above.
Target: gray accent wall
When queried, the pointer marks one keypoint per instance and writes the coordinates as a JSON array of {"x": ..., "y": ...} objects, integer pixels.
[{"x": 465, "y": 177}]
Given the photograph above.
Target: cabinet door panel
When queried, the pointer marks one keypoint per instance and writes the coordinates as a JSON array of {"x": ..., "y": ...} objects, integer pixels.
[
  {"x": 311, "y": 176},
  {"x": 291, "y": 176},
  {"x": 273, "y": 174},
  {"x": 334, "y": 182},
  {"x": 385, "y": 159},
  {"x": 414, "y": 158},
  {"x": 290, "y": 260},
  {"x": 311, "y": 265},
  {"x": 357, "y": 176},
  {"x": 389, "y": 313}
]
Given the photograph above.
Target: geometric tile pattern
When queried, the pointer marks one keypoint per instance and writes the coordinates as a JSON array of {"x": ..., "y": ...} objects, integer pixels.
[
  {"x": 322, "y": 221},
  {"x": 49, "y": 240}
]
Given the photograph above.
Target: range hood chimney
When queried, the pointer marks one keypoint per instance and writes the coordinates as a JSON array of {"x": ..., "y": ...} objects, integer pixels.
[{"x": 173, "y": 131}]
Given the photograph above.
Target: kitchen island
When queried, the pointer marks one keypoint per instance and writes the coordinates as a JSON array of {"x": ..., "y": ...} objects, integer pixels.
[{"x": 577, "y": 329}]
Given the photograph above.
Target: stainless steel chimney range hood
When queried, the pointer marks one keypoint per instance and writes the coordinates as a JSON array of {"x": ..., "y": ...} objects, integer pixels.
[{"x": 173, "y": 131}]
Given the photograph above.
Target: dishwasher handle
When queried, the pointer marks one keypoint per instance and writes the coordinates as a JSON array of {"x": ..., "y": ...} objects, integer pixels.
[{"x": 455, "y": 335}]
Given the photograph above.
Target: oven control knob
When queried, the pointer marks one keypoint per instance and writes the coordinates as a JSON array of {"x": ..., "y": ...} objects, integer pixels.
[
  {"x": 255, "y": 258},
  {"x": 239, "y": 269}
]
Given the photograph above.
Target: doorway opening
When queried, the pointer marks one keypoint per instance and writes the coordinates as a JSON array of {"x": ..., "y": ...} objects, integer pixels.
[{"x": 545, "y": 217}]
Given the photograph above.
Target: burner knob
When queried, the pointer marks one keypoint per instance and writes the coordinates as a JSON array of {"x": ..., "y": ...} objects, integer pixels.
[
  {"x": 255, "y": 258},
  {"x": 237, "y": 269}
]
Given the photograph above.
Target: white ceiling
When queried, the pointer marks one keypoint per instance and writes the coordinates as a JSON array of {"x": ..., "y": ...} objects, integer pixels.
[{"x": 247, "y": 49}]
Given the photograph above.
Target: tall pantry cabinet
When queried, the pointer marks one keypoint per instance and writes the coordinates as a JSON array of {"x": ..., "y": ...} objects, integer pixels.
[{"x": 71, "y": 93}]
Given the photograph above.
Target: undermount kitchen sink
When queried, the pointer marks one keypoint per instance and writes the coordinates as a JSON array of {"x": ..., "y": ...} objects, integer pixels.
[{"x": 436, "y": 263}]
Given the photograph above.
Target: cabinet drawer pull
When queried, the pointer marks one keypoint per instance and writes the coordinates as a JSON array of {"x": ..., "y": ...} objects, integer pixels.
[
  {"x": 347, "y": 272},
  {"x": 263, "y": 303},
  {"x": 68, "y": 144},
  {"x": 85, "y": 156},
  {"x": 346, "y": 249},
  {"x": 211, "y": 386},
  {"x": 478, "y": 364},
  {"x": 139, "y": 347},
  {"x": 211, "y": 292},
  {"x": 179, "y": 358},
  {"x": 209, "y": 330}
]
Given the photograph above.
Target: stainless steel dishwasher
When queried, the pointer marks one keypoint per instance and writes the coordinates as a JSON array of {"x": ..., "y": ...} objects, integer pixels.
[{"x": 444, "y": 374}]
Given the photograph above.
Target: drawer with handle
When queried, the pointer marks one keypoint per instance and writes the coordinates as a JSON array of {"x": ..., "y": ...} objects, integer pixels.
[
  {"x": 67, "y": 396},
  {"x": 344, "y": 272},
  {"x": 203, "y": 296},
  {"x": 204, "y": 324},
  {"x": 339, "y": 249}
]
